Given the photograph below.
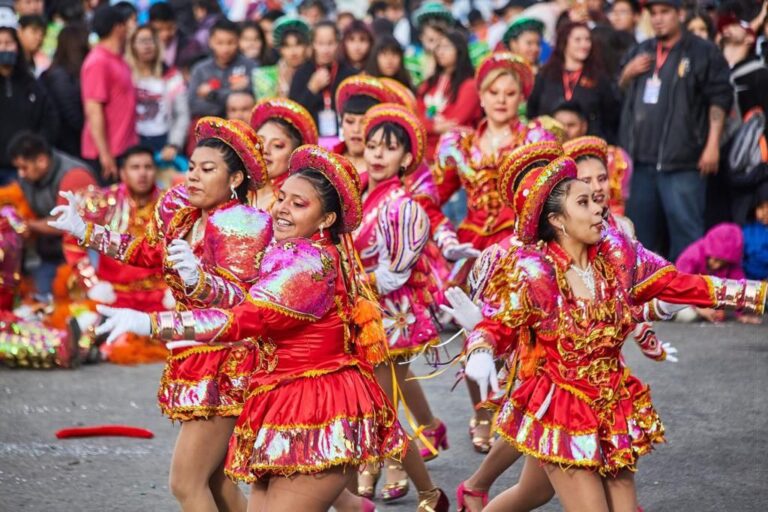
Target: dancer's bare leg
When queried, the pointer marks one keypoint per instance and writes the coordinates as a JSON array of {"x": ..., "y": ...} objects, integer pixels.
[
  {"x": 412, "y": 463},
  {"x": 310, "y": 493},
  {"x": 227, "y": 495},
  {"x": 579, "y": 490},
  {"x": 257, "y": 496},
  {"x": 200, "y": 449},
  {"x": 417, "y": 401},
  {"x": 498, "y": 460},
  {"x": 348, "y": 501},
  {"x": 621, "y": 492},
  {"x": 530, "y": 492}
]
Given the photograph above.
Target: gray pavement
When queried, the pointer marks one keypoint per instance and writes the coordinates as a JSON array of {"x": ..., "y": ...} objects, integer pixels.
[{"x": 713, "y": 403}]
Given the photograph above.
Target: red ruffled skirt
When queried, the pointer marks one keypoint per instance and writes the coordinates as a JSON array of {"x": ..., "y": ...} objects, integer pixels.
[
  {"x": 555, "y": 425},
  {"x": 313, "y": 422},
  {"x": 200, "y": 382}
]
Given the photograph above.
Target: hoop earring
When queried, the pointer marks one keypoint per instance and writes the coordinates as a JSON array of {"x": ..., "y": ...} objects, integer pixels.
[
  {"x": 321, "y": 231},
  {"x": 233, "y": 195}
]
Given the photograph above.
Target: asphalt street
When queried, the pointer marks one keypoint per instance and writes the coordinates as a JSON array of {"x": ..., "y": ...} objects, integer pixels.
[{"x": 713, "y": 403}]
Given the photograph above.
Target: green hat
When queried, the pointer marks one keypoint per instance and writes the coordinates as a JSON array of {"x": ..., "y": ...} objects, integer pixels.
[
  {"x": 432, "y": 11},
  {"x": 520, "y": 25},
  {"x": 285, "y": 24}
]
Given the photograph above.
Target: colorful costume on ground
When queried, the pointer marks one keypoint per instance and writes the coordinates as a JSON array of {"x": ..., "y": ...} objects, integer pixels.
[
  {"x": 393, "y": 236},
  {"x": 577, "y": 404},
  {"x": 298, "y": 118},
  {"x": 138, "y": 288},
  {"x": 312, "y": 402},
  {"x": 460, "y": 162},
  {"x": 210, "y": 382},
  {"x": 25, "y": 343}
]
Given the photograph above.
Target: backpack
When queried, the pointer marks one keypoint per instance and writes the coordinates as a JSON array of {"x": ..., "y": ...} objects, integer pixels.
[{"x": 746, "y": 132}]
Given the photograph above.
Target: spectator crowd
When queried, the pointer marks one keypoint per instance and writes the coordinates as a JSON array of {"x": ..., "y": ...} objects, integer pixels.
[{"x": 679, "y": 87}]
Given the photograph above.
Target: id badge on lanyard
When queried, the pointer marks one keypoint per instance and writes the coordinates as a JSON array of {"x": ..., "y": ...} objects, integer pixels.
[
  {"x": 653, "y": 84},
  {"x": 652, "y": 90}
]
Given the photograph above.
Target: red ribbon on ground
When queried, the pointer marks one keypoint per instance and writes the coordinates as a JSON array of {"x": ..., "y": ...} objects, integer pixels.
[{"x": 104, "y": 430}]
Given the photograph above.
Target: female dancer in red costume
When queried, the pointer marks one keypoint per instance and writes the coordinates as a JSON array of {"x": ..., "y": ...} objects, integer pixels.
[
  {"x": 283, "y": 125},
  {"x": 354, "y": 97},
  {"x": 391, "y": 241},
  {"x": 577, "y": 404},
  {"x": 469, "y": 159},
  {"x": 205, "y": 239},
  {"x": 533, "y": 489},
  {"x": 313, "y": 410}
]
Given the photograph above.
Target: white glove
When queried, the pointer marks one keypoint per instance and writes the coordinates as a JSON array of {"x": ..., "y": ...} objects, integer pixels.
[
  {"x": 388, "y": 281},
  {"x": 668, "y": 310},
  {"x": 168, "y": 301},
  {"x": 464, "y": 311},
  {"x": 671, "y": 351},
  {"x": 123, "y": 320},
  {"x": 184, "y": 262},
  {"x": 481, "y": 369},
  {"x": 67, "y": 219},
  {"x": 103, "y": 292},
  {"x": 456, "y": 251}
]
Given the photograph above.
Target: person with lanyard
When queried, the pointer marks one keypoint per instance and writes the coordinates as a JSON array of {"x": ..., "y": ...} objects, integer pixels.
[
  {"x": 204, "y": 237},
  {"x": 283, "y": 125},
  {"x": 315, "y": 83},
  {"x": 577, "y": 411},
  {"x": 676, "y": 95},
  {"x": 575, "y": 72}
]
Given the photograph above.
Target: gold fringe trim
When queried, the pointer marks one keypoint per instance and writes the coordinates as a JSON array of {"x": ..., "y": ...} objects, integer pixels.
[
  {"x": 196, "y": 350},
  {"x": 307, "y": 374},
  {"x": 282, "y": 309},
  {"x": 200, "y": 412},
  {"x": 639, "y": 288},
  {"x": 286, "y": 471}
]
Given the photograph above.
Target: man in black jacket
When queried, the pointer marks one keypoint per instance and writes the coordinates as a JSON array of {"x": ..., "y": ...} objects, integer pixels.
[{"x": 677, "y": 94}]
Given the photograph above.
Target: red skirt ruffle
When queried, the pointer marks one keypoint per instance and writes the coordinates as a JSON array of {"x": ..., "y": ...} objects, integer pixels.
[
  {"x": 201, "y": 382},
  {"x": 312, "y": 423},
  {"x": 555, "y": 425}
]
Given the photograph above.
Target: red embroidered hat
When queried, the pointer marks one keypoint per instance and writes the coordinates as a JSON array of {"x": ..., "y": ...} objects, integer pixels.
[
  {"x": 340, "y": 173},
  {"x": 533, "y": 190},
  {"x": 401, "y": 116},
  {"x": 405, "y": 95},
  {"x": 511, "y": 62},
  {"x": 243, "y": 140},
  {"x": 589, "y": 145},
  {"x": 521, "y": 160},
  {"x": 363, "y": 85},
  {"x": 290, "y": 112}
]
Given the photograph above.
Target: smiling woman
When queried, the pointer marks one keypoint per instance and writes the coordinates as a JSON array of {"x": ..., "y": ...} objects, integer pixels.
[
  {"x": 573, "y": 282},
  {"x": 200, "y": 225},
  {"x": 314, "y": 412}
]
